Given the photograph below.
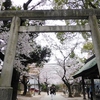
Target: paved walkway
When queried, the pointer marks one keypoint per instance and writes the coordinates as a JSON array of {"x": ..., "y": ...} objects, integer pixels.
[
  {"x": 34, "y": 97},
  {"x": 44, "y": 96},
  {"x": 53, "y": 97}
]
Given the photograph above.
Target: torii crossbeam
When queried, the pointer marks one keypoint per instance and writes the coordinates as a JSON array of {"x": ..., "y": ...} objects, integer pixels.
[{"x": 50, "y": 14}]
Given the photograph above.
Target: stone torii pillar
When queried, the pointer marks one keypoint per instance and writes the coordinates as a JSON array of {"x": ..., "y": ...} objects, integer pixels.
[
  {"x": 7, "y": 71},
  {"x": 1, "y": 1},
  {"x": 95, "y": 37}
]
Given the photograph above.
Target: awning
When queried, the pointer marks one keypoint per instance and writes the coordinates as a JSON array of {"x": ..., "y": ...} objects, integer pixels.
[{"x": 89, "y": 65}]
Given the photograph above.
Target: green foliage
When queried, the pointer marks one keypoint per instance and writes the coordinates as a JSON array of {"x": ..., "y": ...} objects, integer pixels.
[
  {"x": 59, "y": 2},
  {"x": 72, "y": 55},
  {"x": 83, "y": 22},
  {"x": 86, "y": 35},
  {"x": 7, "y": 4},
  {"x": 60, "y": 36},
  {"x": 39, "y": 56},
  {"x": 83, "y": 60},
  {"x": 16, "y": 8},
  {"x": 88, "y": 46},
  {"x": 26, "y": 69},
  {"x": 43, "y": 87},
  {"x": 85, "y": 4},
  {"x": 91, "y": 4}
]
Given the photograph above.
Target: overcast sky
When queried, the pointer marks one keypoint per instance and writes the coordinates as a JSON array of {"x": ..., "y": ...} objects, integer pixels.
[
  {"x": 20, "y": 2},
  {"x": 45, "y": 5}
]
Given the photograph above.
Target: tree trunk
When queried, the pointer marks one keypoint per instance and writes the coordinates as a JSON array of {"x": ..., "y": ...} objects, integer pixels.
[
  {"x": 14, "y": 83},
  {"x": 69, "y": 90},
  {"x": 25, "y": 89},
  {"x": 39, "y": 85},
  {"x": 47, "y": 89},
  {"x": 24, "y": 82},
  {"x": 68, "y": 86}
]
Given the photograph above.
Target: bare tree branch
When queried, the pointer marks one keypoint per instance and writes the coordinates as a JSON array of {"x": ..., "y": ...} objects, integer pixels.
[
  {"x": 25, "y": 5},
  {"x": 36, "y": 5}
]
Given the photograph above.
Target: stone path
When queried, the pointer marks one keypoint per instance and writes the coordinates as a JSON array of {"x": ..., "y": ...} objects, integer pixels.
[
  {"x": 44, "y": 96},
  {"x": 53, "y": 97}
]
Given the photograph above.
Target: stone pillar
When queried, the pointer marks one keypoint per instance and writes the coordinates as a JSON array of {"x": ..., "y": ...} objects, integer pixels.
[
  {"x": 1, "y": 1},
  {"x": 7, "y": 71},
  {"x": 6, "y": 93},
  {"x": 95, "y": 37}
]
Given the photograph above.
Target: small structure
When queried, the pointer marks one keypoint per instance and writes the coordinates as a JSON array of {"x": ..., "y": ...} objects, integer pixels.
[
  {"x": 33, "y": 85},
  {"x": 89, "y": 71},
  {"x": 76, "y": 92},
  {"x": 33, "y": 80}
]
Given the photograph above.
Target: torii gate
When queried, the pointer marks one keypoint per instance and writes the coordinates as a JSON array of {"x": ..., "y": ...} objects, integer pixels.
[{"x": 16, "y": 17}]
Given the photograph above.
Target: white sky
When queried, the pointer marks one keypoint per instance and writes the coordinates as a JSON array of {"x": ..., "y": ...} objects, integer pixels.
[
  {"x": 46, "y": 5},
  {"x": 20, "y": 2}
]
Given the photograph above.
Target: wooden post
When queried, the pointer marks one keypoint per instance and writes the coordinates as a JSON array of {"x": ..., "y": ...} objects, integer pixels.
[
  {"x": 93, "y": 89},
  {"x": 7, "y": 71},
  {"x": 83, "y": 85},
  {"x": 95, "y": 37}
]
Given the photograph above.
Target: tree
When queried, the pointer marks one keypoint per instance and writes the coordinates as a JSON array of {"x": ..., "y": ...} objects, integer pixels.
[
  {"x": 82, "y": 4},
  {"x": 67, "y": 64},
  {"x": 46, "y": 78},
  {"x": 24, "y": 81},
  {"x": 88, "y": 47},
  {"x": 79, "y": 4},
  {"x": 39, "y": 56},
  {"x": 39, "y": 85},
  {"x": 68, "y": 61}
]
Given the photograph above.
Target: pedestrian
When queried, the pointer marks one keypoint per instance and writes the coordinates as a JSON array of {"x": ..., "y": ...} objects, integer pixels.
[
  {"x": 87, "y": 90},
  {"x": 91, "y": 93},
  {"x": 52, "y": 91}
]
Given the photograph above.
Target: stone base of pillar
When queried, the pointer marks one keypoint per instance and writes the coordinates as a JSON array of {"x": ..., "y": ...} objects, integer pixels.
[{"x": 6, "y": 93}]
